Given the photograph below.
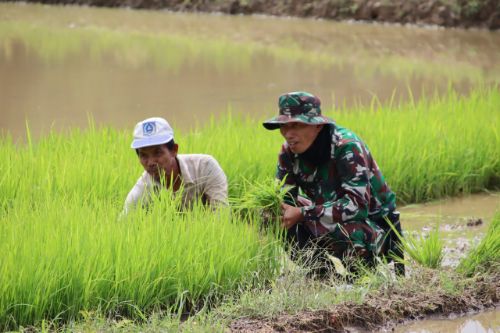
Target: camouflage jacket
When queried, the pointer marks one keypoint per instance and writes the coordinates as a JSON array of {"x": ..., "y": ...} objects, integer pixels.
[{"x": 348, "y": 187}]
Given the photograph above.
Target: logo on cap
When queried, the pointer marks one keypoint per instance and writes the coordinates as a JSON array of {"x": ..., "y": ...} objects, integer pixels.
[{"x": 149, "y": 128}]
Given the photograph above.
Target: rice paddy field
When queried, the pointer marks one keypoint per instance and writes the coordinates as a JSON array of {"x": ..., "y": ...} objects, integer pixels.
[{"x": 67, "y": 252}]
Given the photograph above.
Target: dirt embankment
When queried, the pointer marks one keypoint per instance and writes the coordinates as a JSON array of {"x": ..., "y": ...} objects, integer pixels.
[
  {"x": 388, "y": 307},
  {"x": 447, "y": 13}
]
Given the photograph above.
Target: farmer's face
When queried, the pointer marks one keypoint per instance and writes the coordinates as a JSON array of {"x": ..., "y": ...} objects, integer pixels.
[
  {"x": 299, "y": 136},
  {"x": 159, "y": 161}
]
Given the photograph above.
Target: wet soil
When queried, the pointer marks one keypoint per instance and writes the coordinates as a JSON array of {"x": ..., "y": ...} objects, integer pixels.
[
  {"x": 485, "y": 321},
  {"x": 447, "y": 13},
  {"x": 462, "y": 222},
  {"x": 385, "y": 308}
]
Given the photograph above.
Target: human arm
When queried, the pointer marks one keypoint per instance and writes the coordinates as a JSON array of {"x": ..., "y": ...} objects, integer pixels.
[
  {"x": 291, "y": 214},
  {"x": 285, "y": 175}
]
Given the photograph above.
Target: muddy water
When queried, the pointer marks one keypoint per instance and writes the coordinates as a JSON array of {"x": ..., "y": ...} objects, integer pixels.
[
  {"x": 60, "y": 65},
  {"x": 486, "y": 322},
  {"x": 453, "y": 214},
  {"x": 462, "y": 221}
]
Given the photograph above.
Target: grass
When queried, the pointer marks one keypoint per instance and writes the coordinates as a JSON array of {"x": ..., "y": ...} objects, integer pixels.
[
  {"x": 485, "y": 257},
  {"x": 375, "y": 300},
  {"x": 426, "y": 250},
  {"x": 65, "y": 253}
]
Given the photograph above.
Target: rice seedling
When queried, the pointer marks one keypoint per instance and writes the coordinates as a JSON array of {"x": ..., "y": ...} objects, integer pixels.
[
  {"x": 262, "y": 201},
  {"x": 485, "y": 257},
  {"x": 61, "y": 257},
  {"x": 425, "y": 250}
]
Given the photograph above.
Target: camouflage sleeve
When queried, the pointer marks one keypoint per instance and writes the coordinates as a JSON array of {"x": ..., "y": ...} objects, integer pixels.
[
  {"x": 285, "y": 169},
  {"x": 353, "y": 197}
]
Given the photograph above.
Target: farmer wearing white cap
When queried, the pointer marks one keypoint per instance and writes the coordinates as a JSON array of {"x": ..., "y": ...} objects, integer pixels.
[{"x": 199, "y": 175}]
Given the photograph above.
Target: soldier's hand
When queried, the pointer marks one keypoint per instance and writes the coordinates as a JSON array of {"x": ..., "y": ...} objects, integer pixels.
[{"x": 290, "y": 216}]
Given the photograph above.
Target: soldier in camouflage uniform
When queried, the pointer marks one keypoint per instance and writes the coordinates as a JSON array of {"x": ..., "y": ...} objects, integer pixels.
[{"x": 344, "y": 198}]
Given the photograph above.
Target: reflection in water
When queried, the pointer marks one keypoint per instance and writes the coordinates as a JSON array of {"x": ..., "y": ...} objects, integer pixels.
[
  {"x": 58, "y": 65},
  {"x": 486, "y": 322}
]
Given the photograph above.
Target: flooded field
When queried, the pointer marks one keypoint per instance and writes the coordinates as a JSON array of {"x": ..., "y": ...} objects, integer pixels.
[
  {"x": 462, "y": 221},
  {"x": 486, "y": 322},
  {"x": 61, "y": 65},
  {"x": 453, "y": 214}
]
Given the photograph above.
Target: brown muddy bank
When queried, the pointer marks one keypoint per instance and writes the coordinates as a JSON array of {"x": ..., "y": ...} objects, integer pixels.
[
  {"x": 424, "y": 295},
  {"x": 447, "y": 13}
]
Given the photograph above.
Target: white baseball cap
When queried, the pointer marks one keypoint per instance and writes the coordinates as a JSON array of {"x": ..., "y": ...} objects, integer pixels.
[{"x": 151, "y": 132}]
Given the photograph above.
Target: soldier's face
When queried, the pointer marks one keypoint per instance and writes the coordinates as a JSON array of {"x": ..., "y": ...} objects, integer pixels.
[{"x": 299, "y": 136}]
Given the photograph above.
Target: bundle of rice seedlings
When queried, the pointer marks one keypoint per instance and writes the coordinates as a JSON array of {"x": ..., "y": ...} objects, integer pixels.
[{"x": 262, "y": 200}]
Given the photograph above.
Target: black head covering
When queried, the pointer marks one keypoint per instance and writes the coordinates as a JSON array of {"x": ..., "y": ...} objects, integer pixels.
[{"x": 319, "y": 151}]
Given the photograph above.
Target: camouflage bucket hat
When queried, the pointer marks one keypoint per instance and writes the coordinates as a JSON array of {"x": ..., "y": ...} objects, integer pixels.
[{"x": 301, "y": 107}]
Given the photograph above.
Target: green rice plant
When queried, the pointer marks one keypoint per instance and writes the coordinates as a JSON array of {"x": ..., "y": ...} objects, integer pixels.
[
  {"x": 425, "y": 250},
  {"x": 485, "y": 257},
  {"x": 261, "y": 202},
  {"x": 263, "y": 197},
  {"x": 61, "y": 258}
]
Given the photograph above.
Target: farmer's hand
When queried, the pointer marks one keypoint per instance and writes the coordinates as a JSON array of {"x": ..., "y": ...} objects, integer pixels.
[{"x": 290, "y": 215}]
